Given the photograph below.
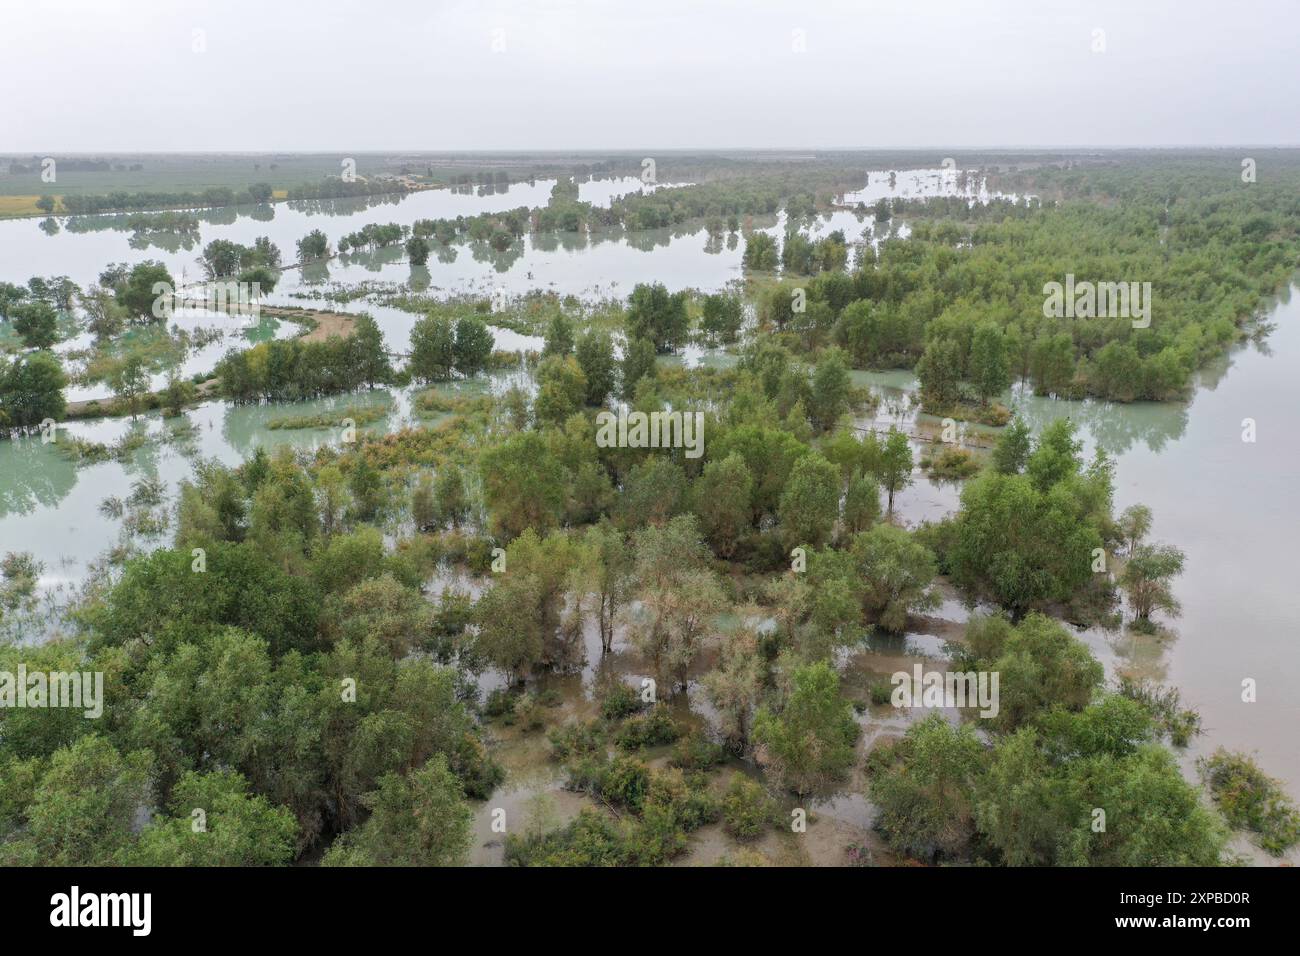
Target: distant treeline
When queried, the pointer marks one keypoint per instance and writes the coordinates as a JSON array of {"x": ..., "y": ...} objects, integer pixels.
[
  {"x": 335, "y": 187},
  {"x": 74, "y": 166},
  {"x": 122, "y": 201}
]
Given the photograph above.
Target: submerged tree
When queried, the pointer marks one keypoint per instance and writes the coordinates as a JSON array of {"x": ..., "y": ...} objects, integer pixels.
[
  {"x": 1147, "y": 580},
  {"x": 811, "y": 740}
]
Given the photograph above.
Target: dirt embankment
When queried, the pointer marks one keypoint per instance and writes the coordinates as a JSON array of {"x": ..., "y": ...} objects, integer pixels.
[{"x": 326, "y": 323}]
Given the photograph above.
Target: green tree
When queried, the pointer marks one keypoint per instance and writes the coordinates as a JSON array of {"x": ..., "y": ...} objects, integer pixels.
[
  {"x": 989, "y": 369},
  {"x": 417, "y": 250},
  {"x": 1147, "y": 578},
  {"x": 770, "y": 454},
  {"x": 366, "y": 484},
  {"x": 595, "y": 354},
  {"x": 523, "y": 485},
  {"x": 1019, "y": 546},
  {"x": 129, "y": 381},
  {"x": 1042, "y": 666},
  {"x": 735, "y": 685},
  {"x": 313, "y": 246},
  {"x": 723, "y": 316},
  {"x": 83, "y": 808},
  {"x": 722, "y": 501},
  {"x": 1056, "y": 455},
  {"x": 161, "y": 596},
  {"x": 811, "y": 741},
  {"x": 760, "y": 252},
  {"x": 420, "y": 819},
  {"x": 424, "y": 510},
  {"x": 926, "y": 792},
  {"x": 559, "y": 336},
  {"x": 861, "y": 503},
  {"x": 366, "y": 353},
  {"x": 453, "y": 504},
  {"x": 1134, "y": 525},
  {"x": 146, "y": 286},
  {"x": 1012, "y": 450},
  {"x": 1034, "y": 808},
  {"x": 37, "y": 323},
  {"x": 658, "y": 316},
  {"x": 638, "y": 363},
  {"x": 810, "y": 502},
  {"x": 511, "y": 636},
  {"x": 896, "y": 573},
  {"x": 939, "y": 374},
  {"x": 830, "y": 389},
  {"x": 1116, "y": 372},
  {"x": 655, "y": 491},
  {"x": 895, "y": 468},
  {"x": 473, "y": 347},
  {"x": 215, "y": 821},
  {"x": 561, "y": 389},
  {"x": 1051, "y": 364},
  {"x": 178, "y": 393},
  {"x": 433, "y": 348},
  {"x": 31, "y": 390},
  {"x": 605, "y": 570},
  {"x": 105, "y": 317}
]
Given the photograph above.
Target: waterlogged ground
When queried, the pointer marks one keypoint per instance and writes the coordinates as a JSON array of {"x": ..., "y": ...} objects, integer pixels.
[
  {"x": 1225, "y": 502},
  {"x": 534, "y": 787},
  {"x": 603, "y": 263}
]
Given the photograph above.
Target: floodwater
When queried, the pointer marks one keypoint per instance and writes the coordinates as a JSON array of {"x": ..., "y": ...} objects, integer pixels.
[{"x": 1226, "y": 502}]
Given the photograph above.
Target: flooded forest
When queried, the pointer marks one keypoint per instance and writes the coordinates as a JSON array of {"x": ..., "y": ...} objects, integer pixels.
[{"x": 734, "y": 508}]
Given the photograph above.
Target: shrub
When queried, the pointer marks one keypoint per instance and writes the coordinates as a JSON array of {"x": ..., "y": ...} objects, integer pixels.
[
  {"x": 620, "y": 701},
  {"x": 1251, "y": 800},
  {"x": 647, "y": 730},
  {"x": 746, "y": 809},
  {"x": 697, "y": 752},
  {"x": 576, "y": 739},
  {"x": 625, "y": 781},
  {"x": 528, "y": 712},
  {"x": 500, "y": 702}
]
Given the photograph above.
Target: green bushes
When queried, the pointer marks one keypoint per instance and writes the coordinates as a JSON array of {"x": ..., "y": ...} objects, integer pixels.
[
  {"x": 441, "y": 346},
  {"x": 811, "y": 740},
  {"x": 577, "y": 740},
  {"x": 951, "y": 464},
  {"x": 1251, "y": 800},
  {"x": 291, "y": 369},
  {"x": 648, "y": 730},
  {"x": 696, "y": 752},
  {"x": 619, "y": 701},
  {"x": 31, "y": 390},
  {"x": 664, "y": 806},
  {"x": 746, "y": 808}
]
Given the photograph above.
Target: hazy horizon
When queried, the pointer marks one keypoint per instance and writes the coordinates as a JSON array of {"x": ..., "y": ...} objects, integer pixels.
[{"x": 106, "y": 76}]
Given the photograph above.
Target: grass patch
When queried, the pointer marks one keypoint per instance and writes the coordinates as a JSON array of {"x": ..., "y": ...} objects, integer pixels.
[
  {"x": 950, "y": 463},
  {"x": 360, "y": 416}
]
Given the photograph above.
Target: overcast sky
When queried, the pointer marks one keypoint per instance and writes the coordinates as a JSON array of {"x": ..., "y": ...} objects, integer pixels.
[{"x": 103, "y": 75}]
